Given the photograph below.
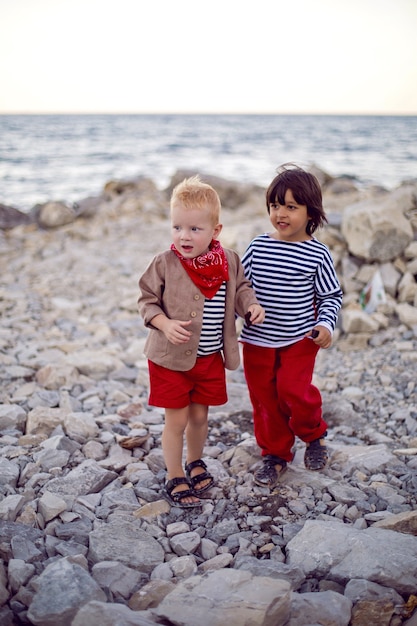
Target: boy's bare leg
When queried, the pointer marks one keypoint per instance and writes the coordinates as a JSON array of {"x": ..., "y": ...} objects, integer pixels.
[
  {"x": 172, "y": 445},
  {"x": 196, "y": 435}
]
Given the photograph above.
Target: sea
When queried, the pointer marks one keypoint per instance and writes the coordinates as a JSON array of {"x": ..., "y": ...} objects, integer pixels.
[{"x": 71, "y": 157}]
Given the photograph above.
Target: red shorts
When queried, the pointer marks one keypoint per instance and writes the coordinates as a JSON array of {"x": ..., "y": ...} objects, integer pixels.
[{"x": 205, "y": 383}]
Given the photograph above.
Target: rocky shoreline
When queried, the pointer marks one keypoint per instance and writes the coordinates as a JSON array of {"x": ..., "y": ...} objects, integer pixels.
[{"x": 84, "y": 534}]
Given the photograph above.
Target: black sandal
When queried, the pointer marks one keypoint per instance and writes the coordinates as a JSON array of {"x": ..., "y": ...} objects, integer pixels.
[
  {"x": 194, "y": 480},
  {"x": 175, "y": 499},
  {"x": 316, "y": 455},
  {"x": 268, "y": 475}
]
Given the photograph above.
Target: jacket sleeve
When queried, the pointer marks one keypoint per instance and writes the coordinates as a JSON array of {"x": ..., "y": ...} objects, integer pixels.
[
  {"x": 245, "y": 294},
  {"x": 152, "y": 286}
]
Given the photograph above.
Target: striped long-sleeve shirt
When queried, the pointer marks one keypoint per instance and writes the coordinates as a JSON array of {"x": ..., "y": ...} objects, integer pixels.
[{"x": 296, "y": 283}]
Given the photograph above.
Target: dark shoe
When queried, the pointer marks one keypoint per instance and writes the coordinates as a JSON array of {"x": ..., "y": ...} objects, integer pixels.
[
  {"x": 268, "y": 475},
  {"x": 176, "y": 498},
  {"x": 199, "y": 478},
  {"x": 316, "y": 455}
]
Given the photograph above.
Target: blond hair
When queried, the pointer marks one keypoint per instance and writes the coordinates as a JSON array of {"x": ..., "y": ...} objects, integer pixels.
[{"x": 192, "y": 193}]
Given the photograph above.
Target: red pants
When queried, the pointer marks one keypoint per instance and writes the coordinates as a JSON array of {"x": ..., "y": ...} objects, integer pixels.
[{"x": 285, "y": 403}]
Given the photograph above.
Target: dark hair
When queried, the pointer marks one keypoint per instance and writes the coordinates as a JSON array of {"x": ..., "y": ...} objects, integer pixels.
[{"x": 304, "y": 187}]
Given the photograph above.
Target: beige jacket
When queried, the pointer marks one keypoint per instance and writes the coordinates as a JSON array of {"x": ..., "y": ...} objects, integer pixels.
[{"x": 166, "y": 288}]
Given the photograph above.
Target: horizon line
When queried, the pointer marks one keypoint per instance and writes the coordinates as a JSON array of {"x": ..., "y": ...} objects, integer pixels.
[{"x": 318, "y": 113}]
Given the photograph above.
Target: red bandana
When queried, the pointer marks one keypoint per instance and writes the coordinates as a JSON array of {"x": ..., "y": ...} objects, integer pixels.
[{"x": 207, "y": 271}]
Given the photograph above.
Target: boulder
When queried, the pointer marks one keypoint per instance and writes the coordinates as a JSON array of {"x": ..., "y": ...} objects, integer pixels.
[
  {"x": 54, "y": 214},
  {"x": 11, "y": 217},
  {"x": 379, "y": 230}
]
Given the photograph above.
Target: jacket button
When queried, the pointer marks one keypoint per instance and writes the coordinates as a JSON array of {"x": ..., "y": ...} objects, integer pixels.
[
  {"x": 193, "y": 314},
  {"x": 196, "y": 297},
  {"x": 188, "y": 352}
]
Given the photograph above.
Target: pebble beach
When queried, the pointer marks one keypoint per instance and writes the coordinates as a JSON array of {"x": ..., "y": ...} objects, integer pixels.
[{"x": 85, "y": 535}]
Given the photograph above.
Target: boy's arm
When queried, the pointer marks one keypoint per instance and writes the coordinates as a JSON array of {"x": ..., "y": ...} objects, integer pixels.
[
  {"x": 246, "y": 299},
  {"x": 328, "y": 307},
  {"x": 150, "y": 305},
  {"x": 151, "y": 285},
  {"x": 329, "y": 294}
]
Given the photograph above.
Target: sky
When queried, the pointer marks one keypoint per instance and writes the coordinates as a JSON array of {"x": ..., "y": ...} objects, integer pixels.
[{"x": 216, "y": 56}]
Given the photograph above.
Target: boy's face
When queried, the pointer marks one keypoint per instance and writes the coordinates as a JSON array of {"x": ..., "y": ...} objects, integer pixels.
[
  {"x": 290, "y": 219},
  {"x": 192, "y": 230}
]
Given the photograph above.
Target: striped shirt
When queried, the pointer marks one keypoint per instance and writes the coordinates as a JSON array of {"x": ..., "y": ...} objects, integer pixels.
[
  {"x": 297, "y": 285},
  {"x": 211, "y": 338}
]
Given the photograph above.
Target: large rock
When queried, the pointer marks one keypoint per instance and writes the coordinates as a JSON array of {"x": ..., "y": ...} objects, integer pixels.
[
  {"x": 227, "y": 596},
  {"x": 407, "y": 314},
  {"x": 358, "y": 321},
  {"x": 12, "y": 416},
  {"x": 335, "y": 552},
  {"x": 87, "y": 477},
  {"x": 61, "y": 589},
  {"x": 94, "y": 363},
  {"x": 9, "y": 473},
  {"x": 43, "y": 420},
  {"x": 126, "y": 542},
  {"x": 54, "y": 214},
  {"x": 133, "y": 196},
  {"x": 232, "y": 194},
  {"x": 379, "y": 230},
  {"x": 11, "y": 217},
  {"x": 327, "y": 608},
  {"x": 110, "y": 614}
]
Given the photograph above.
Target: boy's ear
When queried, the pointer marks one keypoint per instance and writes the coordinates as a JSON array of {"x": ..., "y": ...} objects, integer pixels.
[{"x": 217, "y": 230}]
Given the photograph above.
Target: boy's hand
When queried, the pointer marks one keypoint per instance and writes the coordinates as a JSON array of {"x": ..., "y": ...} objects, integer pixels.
[
  {"x": 321, "y": 336},
  {"x": 255, "y": 314},
  {"x": 174, "y": 330}
]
